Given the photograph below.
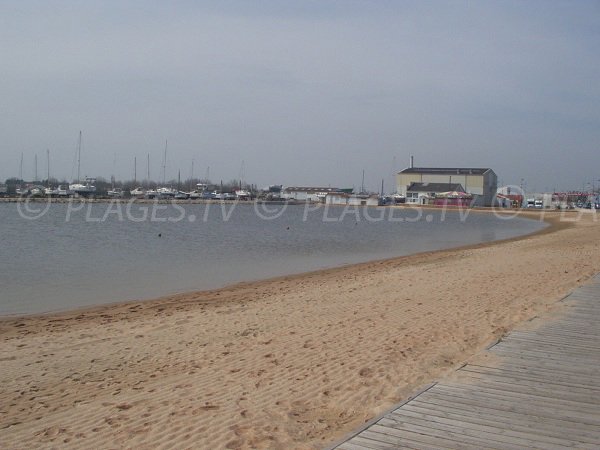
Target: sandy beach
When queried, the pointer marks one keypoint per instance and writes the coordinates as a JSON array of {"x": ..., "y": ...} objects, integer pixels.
[{"x": 292, "y": 362}]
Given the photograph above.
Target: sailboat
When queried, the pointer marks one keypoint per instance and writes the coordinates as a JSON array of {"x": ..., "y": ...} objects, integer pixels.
[
  {"x": 49, "y": 191},
  {"x": 164, "y": 191},
  {"x": 114, "y": 192},
  {"x": 21, "y": 190},
  {"x": 242, "y": 194},
  {"x": 79, "y": 188},
  {"x": 138, "y": 191}
]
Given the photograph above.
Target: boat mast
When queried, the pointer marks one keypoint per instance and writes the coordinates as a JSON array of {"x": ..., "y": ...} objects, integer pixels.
[
  {"x": 35, "y": 178},
  {"x": 148, "y": 165},
  {"x": 191, "y": 176},
  {"x": 21, "y": 168},
  {"x": 79, "y": 157},
  {"x": 362, "y": 186},
  {"x": 165, "y": 164},
  {"x": 48, "y": 166},
  {"x": 112, "y": 178},
  {"x": 241, "y": 174},
  {"x": 134, "y": 170}
]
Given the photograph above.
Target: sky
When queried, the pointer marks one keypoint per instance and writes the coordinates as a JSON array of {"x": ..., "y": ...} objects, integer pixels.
[{"x": 302, "y": 92}]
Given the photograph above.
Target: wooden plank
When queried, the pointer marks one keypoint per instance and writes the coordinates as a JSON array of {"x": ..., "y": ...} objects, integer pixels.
[
  {"x": 482, "y": 392},
  {"x": 517, "y": 436},
  {"x": 581, "y": 312},
  {"x": 574, "y": 327},
  {"x": 539, "y": 370},
  {"x": 352, "y": 446},
  {"x": 407, "y": 440},
  {"x": 509, "y": 395},
  {"x": 515, "y": 422},
  {"x": 558, "y": 342},
  {"x": 548, "y": 357},
  {"x": 538, "y": 387},
  {"x": 581, "y": 316},
  {"x": 446, "y": 440},
  {"x": 505, "y": 416},
  {"x": 518, "y": 369},
  {"x": 539, "y": 390},
  {"x": 544, "y": 357},
  {"x": 549, "y": 353},
  {"x": 556, "y": 350},
  {"x": 535, "y": 361},
  {"x": 500, "y": 405},
  {"x": 366, "y": 442},
  {"x": 556, "y": 374},
  {"x": 516, "y": 360},
  {"x": 585, "y": 296},
  {"x": 564, "y": 333},
  {"x": 453, "y": 437}
]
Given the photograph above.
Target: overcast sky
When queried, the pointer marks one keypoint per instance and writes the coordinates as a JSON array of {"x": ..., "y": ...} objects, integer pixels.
[{"x": 302, "y": 92}]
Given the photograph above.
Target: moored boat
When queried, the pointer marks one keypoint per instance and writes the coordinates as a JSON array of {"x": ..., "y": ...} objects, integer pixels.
[
  {"x": 137, "y": 192},
  {"x": 83, "y": 189},
  {"x": 116, "y": 193}
]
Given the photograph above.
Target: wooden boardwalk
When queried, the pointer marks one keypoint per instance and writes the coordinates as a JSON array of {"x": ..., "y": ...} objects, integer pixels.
[{"x": 541, "y": 389}]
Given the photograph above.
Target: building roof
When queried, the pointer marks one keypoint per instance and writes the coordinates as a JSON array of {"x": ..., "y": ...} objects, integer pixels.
[
  {"x": 446, "y": 170},
  {"x": 311, "y": 189},
  {"x": 350, "y": 195},
  {"x": 434, "y": 187}
]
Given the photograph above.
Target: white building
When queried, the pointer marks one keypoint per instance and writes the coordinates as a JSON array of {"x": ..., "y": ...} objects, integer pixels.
[
  {"x": 309, "y": 194},
  {"x": 341, "y": 198}
]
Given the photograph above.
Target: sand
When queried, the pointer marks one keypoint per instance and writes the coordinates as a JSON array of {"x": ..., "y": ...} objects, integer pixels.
[{"x": 293, "y": 362}]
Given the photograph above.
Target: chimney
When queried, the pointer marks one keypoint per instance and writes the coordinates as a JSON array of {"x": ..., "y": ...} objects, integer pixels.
[{"x": 412, "y": 161}]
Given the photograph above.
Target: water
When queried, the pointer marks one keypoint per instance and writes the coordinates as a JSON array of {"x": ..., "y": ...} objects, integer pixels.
[{"x": 103, "y": 253}]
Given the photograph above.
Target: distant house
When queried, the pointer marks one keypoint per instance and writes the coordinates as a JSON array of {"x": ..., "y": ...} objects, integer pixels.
[
  {"x": 509, "y": 197},
  {"x": 311, "y": 193},
  {"x": 341, "y": 198},
  {"x": 481, "y": 183},
  {"x": 424, "y": 193}
]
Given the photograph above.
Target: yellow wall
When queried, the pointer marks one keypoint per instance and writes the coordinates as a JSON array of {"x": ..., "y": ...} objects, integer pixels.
[
  {"x": 471, "y": 183},
  {"x": 404, "y": 179}
]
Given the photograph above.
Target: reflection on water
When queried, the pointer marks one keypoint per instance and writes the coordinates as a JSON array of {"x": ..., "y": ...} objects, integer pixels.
[{"x": 103, "y": 253}]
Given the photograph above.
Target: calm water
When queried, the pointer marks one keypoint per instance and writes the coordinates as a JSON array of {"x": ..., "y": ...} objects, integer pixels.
[{"x": 103, "y": 253}]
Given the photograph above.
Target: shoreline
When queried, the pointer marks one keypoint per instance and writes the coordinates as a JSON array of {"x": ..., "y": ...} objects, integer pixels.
[
  {"x": 295, "y": 361},
  {"x": 552, "y": 224}
]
